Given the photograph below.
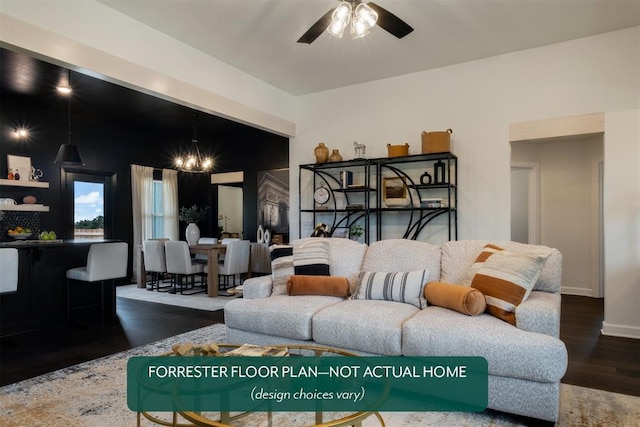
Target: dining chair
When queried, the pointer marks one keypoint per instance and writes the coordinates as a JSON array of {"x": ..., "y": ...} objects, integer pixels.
[
  {"x": 226, "y": 241},
  {"x": 182, "y": 268},
  {"x": 155, "y": 263},
  {"x": 9, "y": 267},
  {"x": 106, "y": 262},
  {"x": 202, "y": 258},
  {"x": 236, "y": 261}
]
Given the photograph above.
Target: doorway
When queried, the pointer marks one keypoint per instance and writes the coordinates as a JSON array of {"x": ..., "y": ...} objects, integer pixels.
[
  {"x": 525, "y": 201},
  {"x": 556, "y": 186},
  {"x": 230, "y": 210},
  {"x": 228, "y": 197}
]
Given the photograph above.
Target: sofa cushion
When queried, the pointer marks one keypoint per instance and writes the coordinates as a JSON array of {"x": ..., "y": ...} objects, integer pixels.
[
  {"x": 336, "y": 286},
  {"x": 403, "y": 255},
  {"x": 458, "y": 256},
  {"x": 280, "y": 315},
  {"x": 506, "y": 280},
  {"x": 406, "y": 287},
  {"x": 510, "y": 352},
  {"x": 309, "y": 258},
  {"x": 364, "y": 325},
  {"x": 462, "y": 299}
]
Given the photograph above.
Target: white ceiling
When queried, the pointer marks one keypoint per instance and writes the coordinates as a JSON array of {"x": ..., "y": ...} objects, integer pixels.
[{"x": 259, "y": 36}]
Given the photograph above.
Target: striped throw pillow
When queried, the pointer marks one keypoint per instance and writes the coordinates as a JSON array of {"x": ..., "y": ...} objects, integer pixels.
[
  {"x": 310, "y": 259},
  {"x": 281, "y": 267},
  {"x": 506, "y": 280},
  {"x": 487, "y": 251},
  {"x": 407, "y": 287}
]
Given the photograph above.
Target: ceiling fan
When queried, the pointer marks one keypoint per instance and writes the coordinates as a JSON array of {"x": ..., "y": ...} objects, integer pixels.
[{"x": 360, "y": 17}]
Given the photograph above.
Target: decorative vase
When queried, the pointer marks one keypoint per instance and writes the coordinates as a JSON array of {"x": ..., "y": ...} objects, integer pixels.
[
  {"x": 260, "y": 236},
  {"x": 192, "y": 233},
  {"x": 321, "y": 152},
  {"x": 335, "y": 156}
]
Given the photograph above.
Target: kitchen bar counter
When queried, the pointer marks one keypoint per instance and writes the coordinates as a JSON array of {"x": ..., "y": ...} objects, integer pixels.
[
  {"x": 35, "y": 243},
  {"x": 40, "y": 301}
]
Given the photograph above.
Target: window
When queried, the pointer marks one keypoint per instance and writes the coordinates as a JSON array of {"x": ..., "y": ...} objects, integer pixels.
[
  {"x": 88, "y": 210},
  {"x": 157, "y": 214}
]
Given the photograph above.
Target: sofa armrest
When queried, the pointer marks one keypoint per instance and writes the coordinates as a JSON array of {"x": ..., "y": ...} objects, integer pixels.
[
  {"x": 540, "y": 313},
  {"x": 257, "y": 287}
]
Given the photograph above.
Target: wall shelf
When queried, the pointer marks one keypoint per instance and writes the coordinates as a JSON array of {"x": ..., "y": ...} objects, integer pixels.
[
  {"x": 23, "y": 183},
  {"x": 25, "y": 208}
]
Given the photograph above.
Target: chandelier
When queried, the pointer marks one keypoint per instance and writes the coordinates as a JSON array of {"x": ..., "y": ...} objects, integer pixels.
[
  {"x": 193, "y": 161},
  {"x": 359, "y": 16}
]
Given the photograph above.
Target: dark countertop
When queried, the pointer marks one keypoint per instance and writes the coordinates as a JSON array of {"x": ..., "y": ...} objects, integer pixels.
[{"x": 33, "y": 243}]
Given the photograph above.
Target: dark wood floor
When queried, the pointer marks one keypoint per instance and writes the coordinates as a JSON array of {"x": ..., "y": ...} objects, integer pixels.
[
  {"x": 28, "y": 355},
  {"x": 595, "y": 361}
]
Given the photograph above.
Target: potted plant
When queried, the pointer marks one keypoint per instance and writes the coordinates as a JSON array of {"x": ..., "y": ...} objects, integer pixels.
[
  {"x": 356, "y": 231},
  {"x": 192, "y": 215}
]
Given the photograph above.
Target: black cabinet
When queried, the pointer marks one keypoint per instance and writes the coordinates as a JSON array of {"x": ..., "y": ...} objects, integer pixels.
[{"x": 411, "y": 197}]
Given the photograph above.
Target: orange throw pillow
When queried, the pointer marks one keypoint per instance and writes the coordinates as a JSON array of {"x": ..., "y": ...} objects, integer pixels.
[
  {"x": 460, "y": 298},
  {"x": 335, "y": 286}
]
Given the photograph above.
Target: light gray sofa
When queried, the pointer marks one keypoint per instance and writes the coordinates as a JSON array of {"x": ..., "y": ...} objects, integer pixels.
[{"x": 525, "y": 362}]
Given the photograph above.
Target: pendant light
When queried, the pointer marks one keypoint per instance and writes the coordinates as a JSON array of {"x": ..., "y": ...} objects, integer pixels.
[{"x": 67, "y": 153}]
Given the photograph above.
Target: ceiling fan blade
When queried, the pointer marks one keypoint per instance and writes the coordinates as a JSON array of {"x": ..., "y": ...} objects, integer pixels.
[
  {"x": 317, "y": 28},
  {"x": 391, "y": 22}
]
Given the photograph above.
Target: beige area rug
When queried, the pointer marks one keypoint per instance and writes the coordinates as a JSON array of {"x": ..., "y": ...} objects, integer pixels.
[
  {"x": 94, "y": 394},
  {"x": 199, "y": 301}
]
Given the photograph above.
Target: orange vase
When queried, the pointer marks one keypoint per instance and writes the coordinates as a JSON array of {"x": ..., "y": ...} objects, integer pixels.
[
  {"x": 321, "y": 152},
  {"x": 335, "y": 156}
]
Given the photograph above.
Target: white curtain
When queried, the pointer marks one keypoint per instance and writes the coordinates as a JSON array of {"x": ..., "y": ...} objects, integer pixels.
[
  {"x": 170, "y": 208},
  {"x": 142, "y": 204}
]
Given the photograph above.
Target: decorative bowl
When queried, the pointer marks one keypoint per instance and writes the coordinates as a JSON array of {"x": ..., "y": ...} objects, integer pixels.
[
  {"x": 20, "y": 236},
  {"x": 397, "y": 202}
]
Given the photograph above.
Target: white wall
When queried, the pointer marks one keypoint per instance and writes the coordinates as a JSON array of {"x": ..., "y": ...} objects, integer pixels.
[
  {"x": 479, "y": 100},
  {"x": 622, "y": 223}
]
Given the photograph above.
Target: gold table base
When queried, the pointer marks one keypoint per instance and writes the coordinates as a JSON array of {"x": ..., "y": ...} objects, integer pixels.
[{"x": 196, "y": 419}]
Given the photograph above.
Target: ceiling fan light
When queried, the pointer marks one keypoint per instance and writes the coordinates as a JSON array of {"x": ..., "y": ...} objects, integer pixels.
[
  {"x": 336, "y": 28},
  {"x": 342, "y": 12},
  {"x": 366, "y": 14},
  {"x": 359, "y": 28}
]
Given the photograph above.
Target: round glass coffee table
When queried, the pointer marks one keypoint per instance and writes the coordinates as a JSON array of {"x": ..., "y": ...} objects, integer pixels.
[{"x": 250, "y": 418}]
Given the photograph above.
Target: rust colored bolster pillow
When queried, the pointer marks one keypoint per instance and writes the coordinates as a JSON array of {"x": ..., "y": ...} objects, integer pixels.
[
  {"x": 335, "y": 286},
  {"x": 460, "y": 298}
]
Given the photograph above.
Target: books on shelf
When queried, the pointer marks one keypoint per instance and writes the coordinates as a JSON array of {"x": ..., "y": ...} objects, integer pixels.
[{"x": 346, "y": 179}]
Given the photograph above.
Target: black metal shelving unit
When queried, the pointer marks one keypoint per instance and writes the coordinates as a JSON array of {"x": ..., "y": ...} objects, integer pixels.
[{"x": 371, "y": 207}]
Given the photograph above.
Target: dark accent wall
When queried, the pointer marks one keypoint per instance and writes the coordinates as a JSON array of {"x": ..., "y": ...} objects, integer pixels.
[{"x": 110, "y": 140}]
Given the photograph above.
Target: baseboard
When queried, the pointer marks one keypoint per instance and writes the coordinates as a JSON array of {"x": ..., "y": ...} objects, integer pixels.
[
  {"x": 620, "y": 331},
  {"x": 584, "y": 292}
]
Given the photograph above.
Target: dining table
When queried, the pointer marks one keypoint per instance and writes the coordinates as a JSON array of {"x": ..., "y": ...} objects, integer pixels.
[{"x": 211, "y": 250}]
